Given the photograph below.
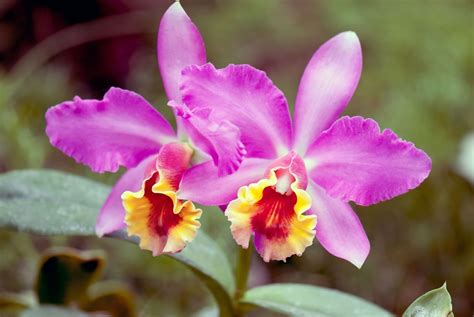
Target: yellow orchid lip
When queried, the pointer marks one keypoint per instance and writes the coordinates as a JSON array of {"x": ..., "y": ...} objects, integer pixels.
[
  {"x": 273, "y": 211},
  {"x": 164, "y": 223}
]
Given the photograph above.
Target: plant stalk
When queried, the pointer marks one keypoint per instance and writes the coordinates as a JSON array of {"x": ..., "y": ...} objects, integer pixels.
[{"x": 241, "y": 277}]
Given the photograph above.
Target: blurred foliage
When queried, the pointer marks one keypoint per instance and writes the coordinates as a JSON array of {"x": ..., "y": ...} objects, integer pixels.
[
  {"x": 64, "y": 275},
  {"x": 68, "y": 277},
  {"x": 417, "y": 80}
]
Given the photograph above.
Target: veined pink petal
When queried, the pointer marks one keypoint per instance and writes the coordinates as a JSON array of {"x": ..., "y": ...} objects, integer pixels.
[
  {"x": 112, "y": 214},
  {"x": 203, "y": 185},
  {"x": 338, "y": 229},
  {"x": 246, "y": 97},
  {"x": 179, "y": 44},
  {"x": 327, "y": 85},
  {"x": 120, "y": 130},
  {"x": 220, "y": 139},
  {"x": 354, "y": 160}
]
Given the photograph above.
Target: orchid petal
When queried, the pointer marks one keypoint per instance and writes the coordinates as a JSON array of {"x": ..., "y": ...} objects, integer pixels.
[
  {"x": 354, "y": 160},
  {"x": 202, "y": 183},
  {"x": 179, "y": 44},
  {"x": 246, "y": 97},
  {"x": 327, "y": 85},
  {"x": 120, "y": 130},
  {"x": 338, "y": 229},
  {"x": 220, "y": 140},
  {"x": 112, "y": 214}
]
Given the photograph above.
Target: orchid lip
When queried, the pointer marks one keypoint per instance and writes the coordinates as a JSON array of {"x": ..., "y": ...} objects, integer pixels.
[
  {"x": 273, "y": 210},
  {"x": 162, "y": 222}
]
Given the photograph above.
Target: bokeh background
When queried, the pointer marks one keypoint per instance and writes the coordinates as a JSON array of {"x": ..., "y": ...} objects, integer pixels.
[{"x": 417, "y": 79}]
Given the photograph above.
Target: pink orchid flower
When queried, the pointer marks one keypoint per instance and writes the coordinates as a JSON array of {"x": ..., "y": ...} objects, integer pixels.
[
  {"x": 123, "y": 129},
  {"x": 296, "y": 181}
]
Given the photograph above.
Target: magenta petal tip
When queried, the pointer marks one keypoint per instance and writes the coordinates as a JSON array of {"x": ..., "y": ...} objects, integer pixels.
[
  {"x": 179, "y": 44},
  {"x": 326, "y": 87}
]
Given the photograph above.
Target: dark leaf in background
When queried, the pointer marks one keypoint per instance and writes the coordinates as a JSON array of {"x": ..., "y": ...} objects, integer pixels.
[
  {"x": 65, "y": 275},
  {"x": 111, "y": 298}
]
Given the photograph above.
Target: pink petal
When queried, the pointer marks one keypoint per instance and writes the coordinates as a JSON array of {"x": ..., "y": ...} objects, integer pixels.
[
  {"x": 179, "y": 44},
  {"x": 246, "y": 97},
  {"x": 203, "y": 185},
  {"x": 112, "y": 214},
  {"x": 354, "y": 160},
  {"x": 327, "y": 85},
  {"x": 220, "y": 139},
  {"x": 120, "y": 130},
  {"x": 338, "y": 228}
]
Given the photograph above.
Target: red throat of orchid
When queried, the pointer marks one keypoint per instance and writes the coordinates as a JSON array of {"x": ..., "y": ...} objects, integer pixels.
[
  {"x": 273, "y": 211},
  {"x": 163, "y": 223}
]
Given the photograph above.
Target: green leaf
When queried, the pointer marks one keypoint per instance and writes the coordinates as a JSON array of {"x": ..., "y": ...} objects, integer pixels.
[
  {"x": 54, "y": 203},
  {"x": 210, "y": 264},
  {"x": 436, "y": 302},
  {"x": 52, "y": 311},
  {"x": 305, "y": 300},
  {"x": 50, "y": 202}
]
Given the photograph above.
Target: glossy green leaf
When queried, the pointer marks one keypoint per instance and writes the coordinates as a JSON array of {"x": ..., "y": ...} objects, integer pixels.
[
  {"x": 310, "y": 301},
  {"x": 52, "y": 311},
  {"x": 55, "y": 203},
  {"x": 436, "y": 302}
]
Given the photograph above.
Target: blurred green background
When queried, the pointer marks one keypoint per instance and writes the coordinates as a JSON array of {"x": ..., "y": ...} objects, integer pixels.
[{"x": 417, "y": 80}]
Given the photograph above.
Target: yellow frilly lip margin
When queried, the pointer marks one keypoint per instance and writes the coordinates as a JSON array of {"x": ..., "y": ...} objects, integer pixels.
[
  {"x": 302, "y": 226},
  {"x": 138, "y": 211}
]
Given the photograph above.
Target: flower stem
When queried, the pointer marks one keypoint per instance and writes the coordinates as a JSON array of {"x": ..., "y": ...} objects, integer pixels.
[{"x": 241, "y": 276}]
